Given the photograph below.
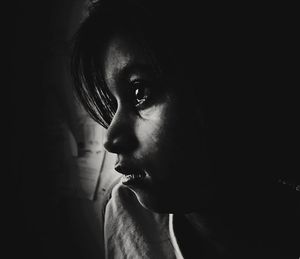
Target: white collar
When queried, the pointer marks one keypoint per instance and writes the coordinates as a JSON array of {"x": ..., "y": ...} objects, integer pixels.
[{"x": 173, "y": 238}]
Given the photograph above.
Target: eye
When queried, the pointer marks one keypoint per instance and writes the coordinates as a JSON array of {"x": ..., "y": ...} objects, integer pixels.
[{"x": 141, "y": 92}]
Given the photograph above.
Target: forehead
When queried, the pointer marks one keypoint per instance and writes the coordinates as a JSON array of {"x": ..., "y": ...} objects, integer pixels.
[{"x": 123, "y": 51}]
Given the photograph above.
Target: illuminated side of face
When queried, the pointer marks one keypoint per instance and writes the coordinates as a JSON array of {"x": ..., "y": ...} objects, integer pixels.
[{"x": 156, "y": 131}]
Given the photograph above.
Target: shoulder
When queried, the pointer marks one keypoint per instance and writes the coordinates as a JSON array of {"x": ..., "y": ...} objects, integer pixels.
[
  {"x": 123, "y": 205},
  {"x": 132, "y": 230}
]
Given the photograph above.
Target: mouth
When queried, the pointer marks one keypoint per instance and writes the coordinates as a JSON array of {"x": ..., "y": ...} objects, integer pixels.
[
  {"x": 130, "y": 176},
  {"x": 132, "y": 179}
]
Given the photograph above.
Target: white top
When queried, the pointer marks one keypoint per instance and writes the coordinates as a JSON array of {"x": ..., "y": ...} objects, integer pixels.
[
  {"x": 173, "y": 238},
  {"x": 133, "y": 232}
]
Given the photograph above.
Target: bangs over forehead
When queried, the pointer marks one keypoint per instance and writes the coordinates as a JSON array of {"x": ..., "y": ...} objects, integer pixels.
[
  {"x": 105, "y": 18},
  {"x": 169, "y": 34}
]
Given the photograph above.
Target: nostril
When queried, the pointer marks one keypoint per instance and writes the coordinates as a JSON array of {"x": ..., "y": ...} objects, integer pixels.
[
  {"x": 112, "y": 145},
  {"x": 119, "y": 145},
  {"x": 119, "y": 142},
  {"x": 109, "y": 142}
]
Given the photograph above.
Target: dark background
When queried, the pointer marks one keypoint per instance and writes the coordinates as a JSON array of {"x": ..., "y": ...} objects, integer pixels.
[
  {"x": 268, "y": 108},
  {"x": 37, "y": 224}
]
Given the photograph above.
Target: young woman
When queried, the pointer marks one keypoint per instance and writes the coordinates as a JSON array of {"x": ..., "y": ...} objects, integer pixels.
[{"x": 163, "y": 79}]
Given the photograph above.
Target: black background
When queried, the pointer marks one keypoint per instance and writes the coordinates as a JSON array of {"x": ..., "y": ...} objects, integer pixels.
[
  {"x": 36, "y": 224},
  {"x": 268, "y": 108}
]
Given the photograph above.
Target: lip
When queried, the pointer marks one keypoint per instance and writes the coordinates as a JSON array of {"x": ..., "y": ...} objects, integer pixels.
[{"x": 131, "y": 175}]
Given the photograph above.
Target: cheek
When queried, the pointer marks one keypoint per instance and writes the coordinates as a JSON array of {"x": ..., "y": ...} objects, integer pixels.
[
  {"x": 150, "y": 129},
  {"x": 169, "y": 136},
  {"x": 158, "y": 134}
]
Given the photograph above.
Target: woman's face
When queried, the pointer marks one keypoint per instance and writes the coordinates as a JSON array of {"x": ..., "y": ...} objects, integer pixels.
[{"x": 156, "y": 131}]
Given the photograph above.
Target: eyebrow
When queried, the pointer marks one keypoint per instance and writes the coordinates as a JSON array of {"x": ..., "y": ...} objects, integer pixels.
[{"x": 129, "y": 69}]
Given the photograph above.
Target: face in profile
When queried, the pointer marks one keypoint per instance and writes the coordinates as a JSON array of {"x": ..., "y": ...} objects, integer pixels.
[{"x": 156, "y": 132}]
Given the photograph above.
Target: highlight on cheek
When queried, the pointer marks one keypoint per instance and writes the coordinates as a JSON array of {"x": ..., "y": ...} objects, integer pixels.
[
  {"x": 151, "y": 113},
  {"x": 157, "y": 107},
  {"x": 150, "y": 131}
]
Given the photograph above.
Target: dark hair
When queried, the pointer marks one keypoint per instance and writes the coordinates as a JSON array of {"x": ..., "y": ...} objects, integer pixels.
[
  {"x": 166, "y": 34},
  {"x": 104, "y": 17},
  {"x": 89, "y": 84}
]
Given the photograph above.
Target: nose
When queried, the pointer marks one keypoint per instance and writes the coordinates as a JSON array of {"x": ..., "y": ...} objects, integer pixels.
[{"x": 120, "y": 137}]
